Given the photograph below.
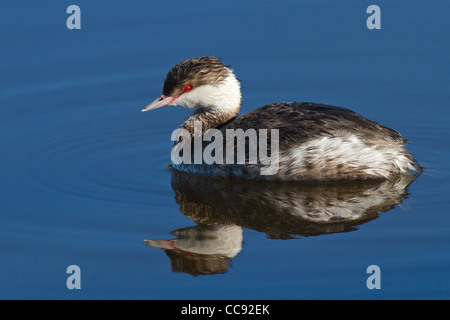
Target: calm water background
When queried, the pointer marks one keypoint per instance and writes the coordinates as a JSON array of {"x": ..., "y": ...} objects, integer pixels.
[{"x": 83, "y": 176}]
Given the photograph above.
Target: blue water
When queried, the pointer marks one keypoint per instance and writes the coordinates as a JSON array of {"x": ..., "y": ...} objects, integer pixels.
[{"x": 83, "y": 172}]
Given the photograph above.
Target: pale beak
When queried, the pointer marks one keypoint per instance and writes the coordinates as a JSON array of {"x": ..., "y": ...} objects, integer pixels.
[{"x": 158, "y": 103}]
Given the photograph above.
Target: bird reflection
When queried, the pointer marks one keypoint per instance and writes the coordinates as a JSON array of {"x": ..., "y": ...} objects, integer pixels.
[{"x": 221, "y": 208}]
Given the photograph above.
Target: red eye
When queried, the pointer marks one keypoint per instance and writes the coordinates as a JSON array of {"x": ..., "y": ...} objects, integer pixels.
[{"x": 187, "y": 88}]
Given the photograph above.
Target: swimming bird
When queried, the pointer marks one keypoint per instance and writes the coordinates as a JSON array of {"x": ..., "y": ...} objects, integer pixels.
[{"x": 315, "y": 142}]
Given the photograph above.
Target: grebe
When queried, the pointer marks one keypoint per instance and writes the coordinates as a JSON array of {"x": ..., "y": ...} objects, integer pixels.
[{"x": 316, "y": 141}]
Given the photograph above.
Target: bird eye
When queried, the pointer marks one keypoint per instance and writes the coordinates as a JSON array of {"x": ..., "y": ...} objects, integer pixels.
[{"x": 187, "y": 88}]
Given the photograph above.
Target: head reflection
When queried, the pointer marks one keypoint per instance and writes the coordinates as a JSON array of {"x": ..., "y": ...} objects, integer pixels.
[{"x": 282, "y": 210}]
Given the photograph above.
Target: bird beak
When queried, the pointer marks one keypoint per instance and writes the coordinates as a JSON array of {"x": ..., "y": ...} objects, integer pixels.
[{"x": 158, "y": 103}]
